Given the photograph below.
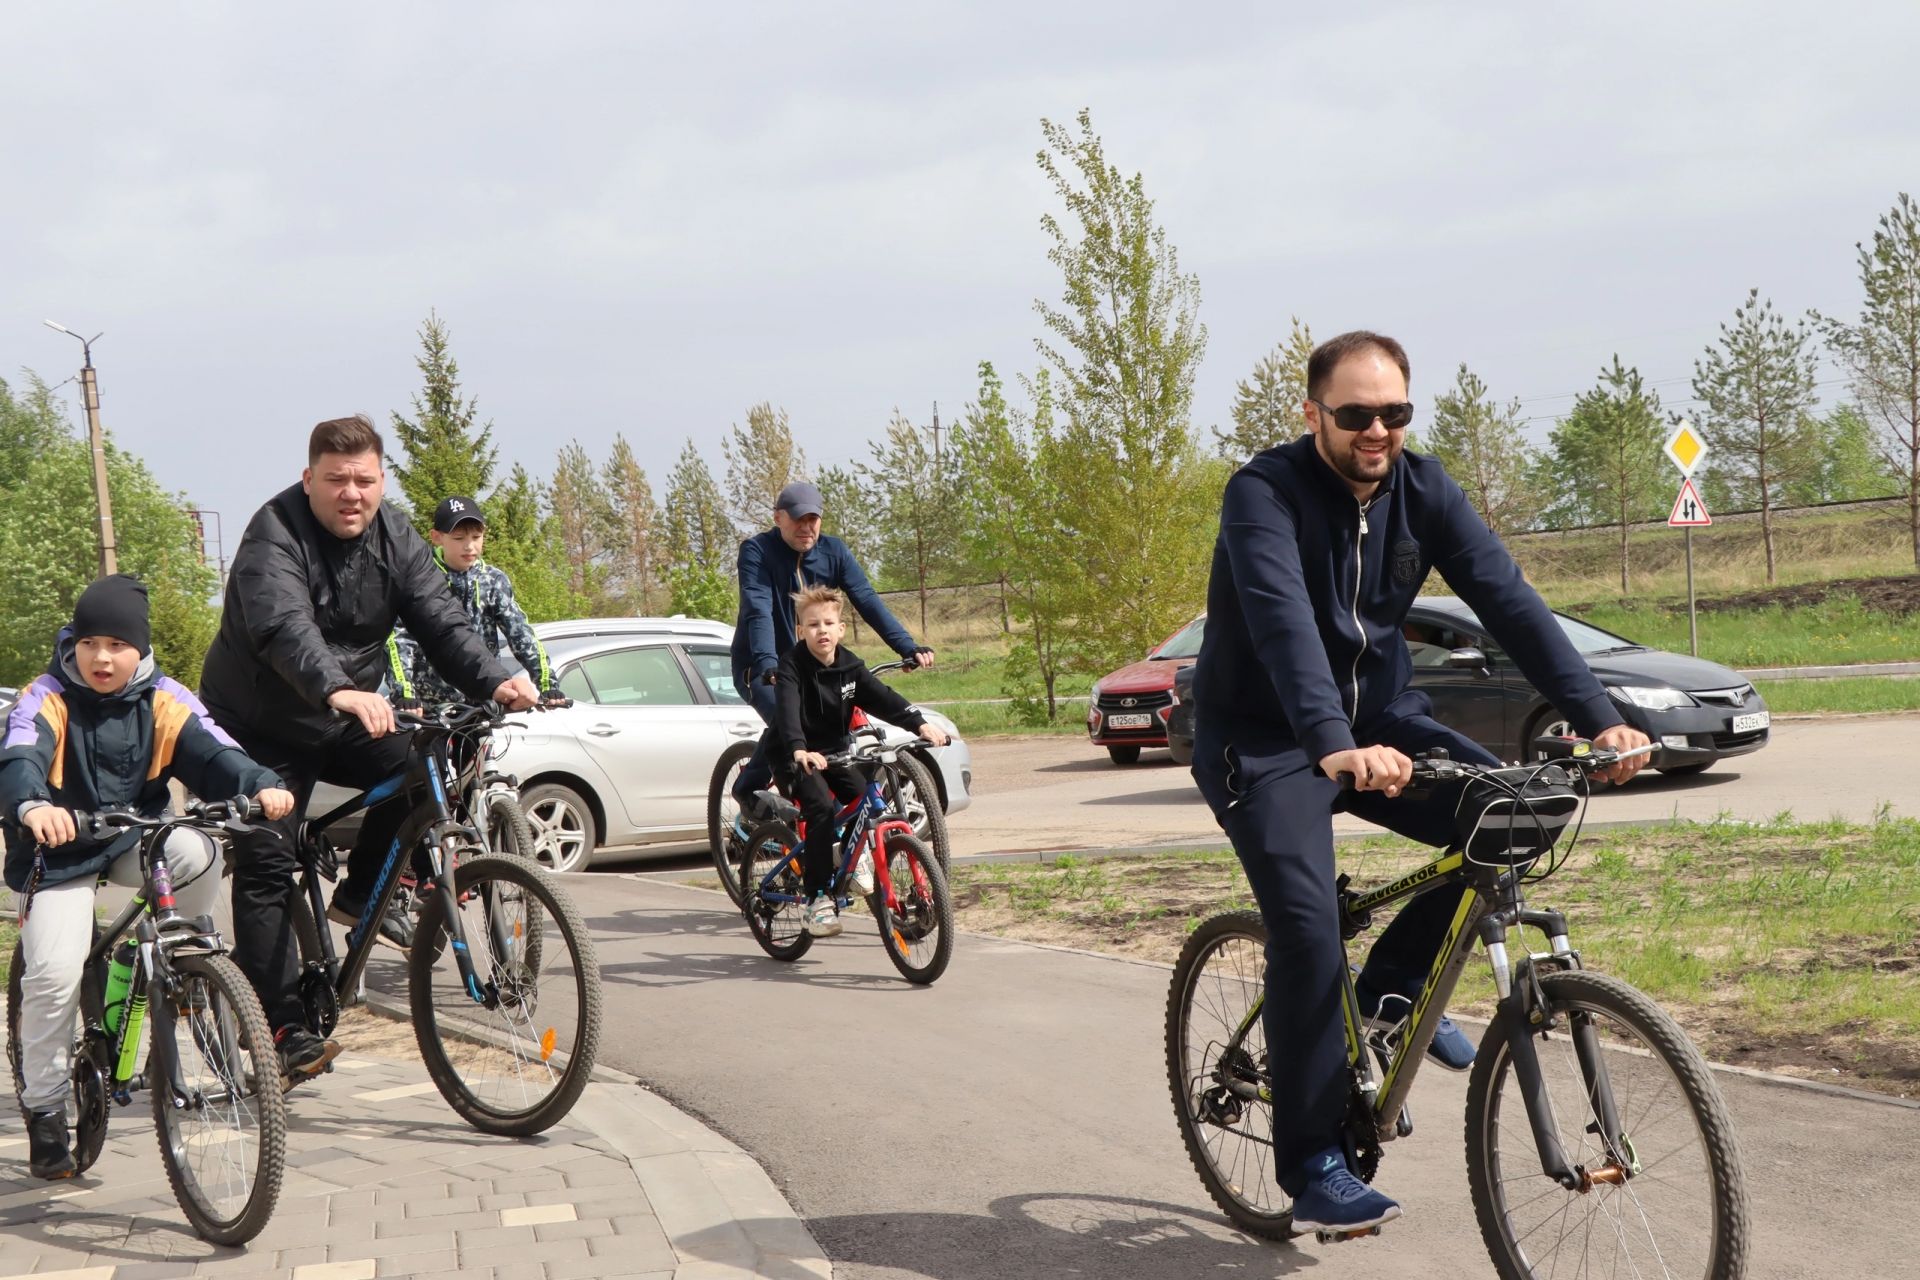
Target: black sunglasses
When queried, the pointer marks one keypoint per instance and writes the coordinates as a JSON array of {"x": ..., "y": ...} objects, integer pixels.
[{"x": 1359, "y": 417}]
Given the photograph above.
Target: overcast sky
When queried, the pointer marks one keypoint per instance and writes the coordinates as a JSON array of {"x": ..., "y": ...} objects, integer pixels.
[{"x": 639, "y": 219}]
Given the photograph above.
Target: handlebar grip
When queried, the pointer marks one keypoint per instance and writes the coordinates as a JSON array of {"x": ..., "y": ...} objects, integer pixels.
[{"x": 1345, "y": 779}]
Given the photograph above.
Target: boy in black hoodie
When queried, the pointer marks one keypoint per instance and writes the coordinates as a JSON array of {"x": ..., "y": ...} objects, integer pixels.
[
  {"x": 102, "y": 728},
  {"x": 818, "y": 688}
]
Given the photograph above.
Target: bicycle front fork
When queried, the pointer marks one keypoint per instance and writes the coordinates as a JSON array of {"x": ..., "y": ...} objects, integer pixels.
[{"x": 1522, "y": 1009}]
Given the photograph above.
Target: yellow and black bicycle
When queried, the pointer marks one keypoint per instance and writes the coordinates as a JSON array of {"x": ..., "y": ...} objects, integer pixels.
[{"x": 1597, "y": 1139}]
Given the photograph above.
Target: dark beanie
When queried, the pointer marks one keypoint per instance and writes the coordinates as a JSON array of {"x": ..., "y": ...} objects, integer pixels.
[{"x": 115, "y": 606}]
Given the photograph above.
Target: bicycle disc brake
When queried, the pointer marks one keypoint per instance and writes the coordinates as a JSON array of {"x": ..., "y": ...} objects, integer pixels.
[
  {"x": 90, "y": 1098},
  {"x": 318, "y": 1000}
]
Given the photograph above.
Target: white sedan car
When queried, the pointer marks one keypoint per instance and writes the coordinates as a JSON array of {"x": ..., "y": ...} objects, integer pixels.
[{"x": 655, "y": 710}]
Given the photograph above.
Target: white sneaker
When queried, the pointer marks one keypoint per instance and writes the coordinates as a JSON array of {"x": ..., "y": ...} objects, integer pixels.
[
  {"x": 863, "y": 873},
  {"x": 823, "y": 921}
]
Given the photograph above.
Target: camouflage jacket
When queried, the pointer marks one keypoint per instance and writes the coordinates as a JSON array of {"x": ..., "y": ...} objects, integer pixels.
[{"x": 486, "y": 594}]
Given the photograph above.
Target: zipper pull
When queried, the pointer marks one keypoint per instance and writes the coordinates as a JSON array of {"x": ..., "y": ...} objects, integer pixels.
[{"x": 1363, "y": 522}]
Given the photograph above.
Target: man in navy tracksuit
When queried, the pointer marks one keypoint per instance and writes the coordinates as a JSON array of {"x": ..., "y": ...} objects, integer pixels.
[
  {"x": 1303, "y": 675},
  {"x": 790, "y": 557}
]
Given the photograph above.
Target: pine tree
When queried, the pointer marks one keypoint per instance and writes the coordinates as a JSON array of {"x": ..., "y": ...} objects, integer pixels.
[
  {"x": 852, "y": 512},
  {"x": 1756, "y": 389},
  {"x": 1480, "y": 444},
  {"x": 523, "y": 540},
  {"x": 1611, "y": 444},
  {"x": 636, "y": 519},
  {"x": 694, "y": 520},
  {"x": 1881, "y": 351},
  {"x": 583, "y": 517},
  {"x": 761, "y": 460},
  {"x": 1266, "y": 404},
  {"x": 442, "y": 454}
]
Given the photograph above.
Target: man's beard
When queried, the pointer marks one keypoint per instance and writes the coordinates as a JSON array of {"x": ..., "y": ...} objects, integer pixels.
[{"x": 1349, "y": 466}]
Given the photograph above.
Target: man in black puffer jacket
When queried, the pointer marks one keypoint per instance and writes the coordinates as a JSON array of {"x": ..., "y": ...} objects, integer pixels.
[{"x": 322, "y": 572}]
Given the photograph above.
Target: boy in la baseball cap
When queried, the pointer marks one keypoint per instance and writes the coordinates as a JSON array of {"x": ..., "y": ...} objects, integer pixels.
[{"x": 459, "y": 537}]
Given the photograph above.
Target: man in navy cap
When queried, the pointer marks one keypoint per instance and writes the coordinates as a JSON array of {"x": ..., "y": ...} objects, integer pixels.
[{"x": 773, "y": 565}]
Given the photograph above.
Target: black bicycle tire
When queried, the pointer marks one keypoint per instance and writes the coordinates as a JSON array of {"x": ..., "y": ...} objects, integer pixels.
[
  {"x": 926, "y": 975},
  {"x": 238, "y": 992},
  {"x": 87, "y": 1142},
  {"x": 560, "y": 907},
  {"x": 938, "y": 837},
  {"x": 1200, "y": 944},
  {"x": 750, "y": 891},
  {"x": 718, "y": 842},
  {"x": 1664, "y": 1038},
  {"x": 505, "y": 813}
]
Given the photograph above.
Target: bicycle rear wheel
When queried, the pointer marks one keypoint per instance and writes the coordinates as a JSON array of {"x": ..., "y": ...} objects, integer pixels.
[
  {"x": 508, "y": 830},
  {"x": 1676, "y": 1207},
  {"x": 512, "y": 1055},
  {"x": 779, "y": 927},
  {"x": 88, "y": 1107},
  {"x": 918, "y": 931},
  {"x": 224, "y": 1142},
  {"x": 1219, "y": 977}
]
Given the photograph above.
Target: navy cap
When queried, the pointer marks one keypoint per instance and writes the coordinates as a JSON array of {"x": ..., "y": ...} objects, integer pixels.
[
  {"x": 800, "y": 499},
  {"x": 454, "y": 512}
]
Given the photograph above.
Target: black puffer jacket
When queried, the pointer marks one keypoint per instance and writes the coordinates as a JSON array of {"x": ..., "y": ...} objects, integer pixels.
[{"x": 308, "y": 614}]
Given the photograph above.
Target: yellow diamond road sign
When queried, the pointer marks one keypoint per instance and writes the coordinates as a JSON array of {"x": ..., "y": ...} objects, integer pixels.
[{"x": 1686, "y": 447}]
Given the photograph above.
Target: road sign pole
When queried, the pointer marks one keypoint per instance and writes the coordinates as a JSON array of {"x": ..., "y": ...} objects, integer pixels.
[{"x": 1693, "y": 620}]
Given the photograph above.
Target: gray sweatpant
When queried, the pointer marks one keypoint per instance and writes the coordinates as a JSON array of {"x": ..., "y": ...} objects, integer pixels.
[{"x": 54, "y": 941}]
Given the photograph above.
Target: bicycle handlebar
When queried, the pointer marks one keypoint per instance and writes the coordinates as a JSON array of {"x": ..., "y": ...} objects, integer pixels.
[
  {"x": 1579, "y": 753},
  {"x": 231, "y": 815}
]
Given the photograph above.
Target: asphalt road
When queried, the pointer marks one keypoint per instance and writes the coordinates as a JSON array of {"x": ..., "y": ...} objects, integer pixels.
[
  {"x": 1061, "y": 793},
  {"x": 1013, "y": 1120}
]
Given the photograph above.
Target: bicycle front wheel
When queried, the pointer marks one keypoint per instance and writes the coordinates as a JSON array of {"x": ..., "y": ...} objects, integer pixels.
[
  {"x": 223, "y": 1140},
  {"x": 723, "y": 816},
  {"x": 1216, "y": 1057},
  {"x": 918, "y": 929},
  {"x": 1670, "y": 1199},
  {"x": 512, "y": 1052}
]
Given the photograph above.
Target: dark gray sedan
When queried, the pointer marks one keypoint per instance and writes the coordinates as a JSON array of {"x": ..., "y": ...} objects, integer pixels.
[{"x": 1695, "y": 711}]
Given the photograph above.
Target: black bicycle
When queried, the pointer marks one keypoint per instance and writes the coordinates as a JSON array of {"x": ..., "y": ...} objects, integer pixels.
[
  {"x": 502, "y": 983},
  {"x": 211, "y": 1068},
  {"x": 1596, "y": 1136}
]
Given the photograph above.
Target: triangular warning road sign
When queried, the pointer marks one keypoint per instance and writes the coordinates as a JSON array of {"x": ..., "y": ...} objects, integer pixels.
[{"x": 1688, "y": 510}]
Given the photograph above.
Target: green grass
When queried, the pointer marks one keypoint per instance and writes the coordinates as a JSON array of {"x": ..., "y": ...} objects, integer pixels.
[
  {"x": 996, "y": 719},
  {"x": 1835, "y": 632},
  {"x": 1780, "y": 935},
  {"x": 1858, "y": 694}
]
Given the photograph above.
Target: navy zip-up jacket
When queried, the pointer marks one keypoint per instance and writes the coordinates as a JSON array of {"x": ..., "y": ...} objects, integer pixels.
[
  {"x": 771, "y": 571},
  {"x": 1310, "y": 589}
]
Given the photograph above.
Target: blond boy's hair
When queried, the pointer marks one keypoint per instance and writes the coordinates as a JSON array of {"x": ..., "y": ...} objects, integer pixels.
[{"x": 806, "y": 597}]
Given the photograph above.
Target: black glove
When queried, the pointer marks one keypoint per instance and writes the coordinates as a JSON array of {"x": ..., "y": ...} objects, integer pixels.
[{"x": 554, "y": 700}]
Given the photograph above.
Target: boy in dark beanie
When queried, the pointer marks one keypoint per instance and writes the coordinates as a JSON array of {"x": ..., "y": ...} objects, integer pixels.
[{"x": 101, "y": 728}]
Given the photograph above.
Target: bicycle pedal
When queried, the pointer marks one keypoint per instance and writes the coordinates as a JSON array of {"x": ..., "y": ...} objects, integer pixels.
[{"x": 1339, "y": 1237}]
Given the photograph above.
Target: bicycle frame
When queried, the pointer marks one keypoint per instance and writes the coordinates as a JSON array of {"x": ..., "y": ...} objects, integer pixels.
[
  {"x": 1491, "y": 903},
  {"x": 859, "y": 832},
  {"x": 425, "y": 779},
  {"x": 157, "y": 928}
]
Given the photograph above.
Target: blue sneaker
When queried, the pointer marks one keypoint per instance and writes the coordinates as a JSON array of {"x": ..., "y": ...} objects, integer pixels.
[
  {"x": 1450, "y": 1048},
  {"x": 1335, "y": 1201}
]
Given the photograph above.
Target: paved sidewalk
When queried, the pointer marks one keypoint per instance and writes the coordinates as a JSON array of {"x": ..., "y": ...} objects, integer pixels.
[{"x": 384, "y": 1180}]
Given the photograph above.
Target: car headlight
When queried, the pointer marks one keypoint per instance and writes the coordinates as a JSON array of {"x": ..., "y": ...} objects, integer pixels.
[
  {"x": 1650, "y": 698},
  {"x": 1093, "y": 694}
]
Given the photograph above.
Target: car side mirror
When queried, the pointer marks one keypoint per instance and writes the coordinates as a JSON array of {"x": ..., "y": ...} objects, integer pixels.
[{"x": 1470, "y": 658}]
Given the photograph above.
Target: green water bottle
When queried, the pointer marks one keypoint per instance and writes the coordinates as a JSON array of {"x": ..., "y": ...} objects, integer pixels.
[{"x": 119, "y": 978}]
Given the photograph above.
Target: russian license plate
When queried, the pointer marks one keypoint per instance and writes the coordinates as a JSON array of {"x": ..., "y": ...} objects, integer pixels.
[
  {"x": 1132, "y": 720},
  {"x": 1751, "y": 721}
]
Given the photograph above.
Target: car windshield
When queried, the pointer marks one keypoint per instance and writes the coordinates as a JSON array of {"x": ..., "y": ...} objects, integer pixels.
[
  {"x": 1185, "y": 642},
  {"x": 1585, "y": 637}
]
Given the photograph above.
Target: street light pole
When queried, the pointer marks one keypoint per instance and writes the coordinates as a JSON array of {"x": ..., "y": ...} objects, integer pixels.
[{"x": 90, "y": 396}]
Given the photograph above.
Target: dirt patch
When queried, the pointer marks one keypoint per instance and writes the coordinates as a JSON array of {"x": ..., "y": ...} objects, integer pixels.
[{"x": 1896, "y": 596}]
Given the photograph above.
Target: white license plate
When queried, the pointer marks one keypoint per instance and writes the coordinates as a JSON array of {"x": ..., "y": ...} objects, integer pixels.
[
  {"x": 1751, "y": 721},
  {"x": 1136, "y": 720}
]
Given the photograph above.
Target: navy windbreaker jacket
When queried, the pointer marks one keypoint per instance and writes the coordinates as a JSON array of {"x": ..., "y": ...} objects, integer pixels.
[
  {"x": 771, "y": 571},
  {"x": 1310, "y": 589}
]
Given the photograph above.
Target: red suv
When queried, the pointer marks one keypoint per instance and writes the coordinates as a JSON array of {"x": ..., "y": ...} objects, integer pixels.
[{"x": 1128, "y": 708}]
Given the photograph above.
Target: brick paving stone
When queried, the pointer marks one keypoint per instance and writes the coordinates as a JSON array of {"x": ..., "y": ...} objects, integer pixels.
[
  {"x": 502, "y": 1200},
  {"x": 531, "y": 1180},
  {"x": 582, "y": 1268},
  {"x": 588, "y": 1229},
  {"x": 533, "y": 1251},
  {"x": 444, "y": 1208},
  {"x": 421, "y": 1264},
  {"x": 432, "y": 1225},
  {"x": 520, "y": 1271},
  {"x": 401, "y": 1246},
  {"x": 171, "y": 1270}
]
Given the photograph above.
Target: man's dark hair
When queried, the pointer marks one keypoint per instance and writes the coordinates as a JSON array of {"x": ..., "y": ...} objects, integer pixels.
[
  {"x": 1326, "y": 356},
  {"x": 350, "y": 436}
]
